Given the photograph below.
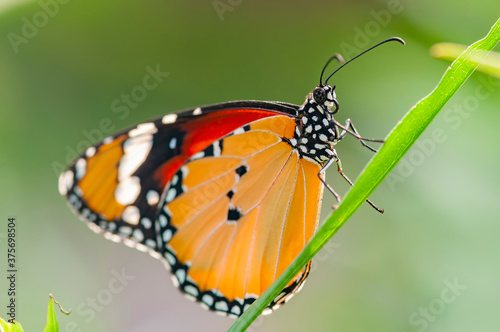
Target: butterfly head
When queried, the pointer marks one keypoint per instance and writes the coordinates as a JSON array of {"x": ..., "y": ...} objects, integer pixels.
[{"x": 324, "y": 95}]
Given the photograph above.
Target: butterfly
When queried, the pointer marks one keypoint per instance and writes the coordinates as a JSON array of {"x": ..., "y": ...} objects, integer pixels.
[{"x": 225, "y": 195}]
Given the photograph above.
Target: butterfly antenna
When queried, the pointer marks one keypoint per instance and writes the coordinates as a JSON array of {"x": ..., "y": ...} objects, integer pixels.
[
  {"x": 339, "y": 58},
  {"x": 360, "y": 54}
]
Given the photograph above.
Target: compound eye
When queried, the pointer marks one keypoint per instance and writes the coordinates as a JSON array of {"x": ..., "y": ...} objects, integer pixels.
[{"x": 319, "y": 95}]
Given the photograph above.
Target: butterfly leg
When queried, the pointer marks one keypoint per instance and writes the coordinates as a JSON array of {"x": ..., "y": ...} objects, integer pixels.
[
  {"x": 339, "y": 167},
  {"x": 335, "y": 194},
  {"x": 320, "y": 176},
  {"x": 354, "y": 132}
]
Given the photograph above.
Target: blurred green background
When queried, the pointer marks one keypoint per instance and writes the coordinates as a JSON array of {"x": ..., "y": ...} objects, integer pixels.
[{"x": 64, "y": 63}]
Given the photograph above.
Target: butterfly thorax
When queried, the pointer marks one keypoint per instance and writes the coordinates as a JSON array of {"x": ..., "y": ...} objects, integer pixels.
[{"x": 315, "y": 131}]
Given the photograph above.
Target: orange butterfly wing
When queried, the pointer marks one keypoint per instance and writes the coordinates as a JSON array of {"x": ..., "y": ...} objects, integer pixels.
[
  {"x": 216, "y": 192},
  {"x": 237, "y": 215}
]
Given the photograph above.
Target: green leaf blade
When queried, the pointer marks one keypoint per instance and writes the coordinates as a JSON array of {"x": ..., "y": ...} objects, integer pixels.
[
  {"x": 489, "y": 62},
  {"x": 10, "y": 327},
  {"x": 52, "y": 325}
]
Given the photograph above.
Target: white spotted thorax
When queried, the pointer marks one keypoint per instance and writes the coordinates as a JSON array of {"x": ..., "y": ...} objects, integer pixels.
[{"x": 316, "y": 133}]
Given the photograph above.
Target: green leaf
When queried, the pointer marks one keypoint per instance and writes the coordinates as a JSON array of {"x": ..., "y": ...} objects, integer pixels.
[
  {"x": 9, "y": 327},
  {"x": 52, "y": 325},
  {"x": 489, "y": 62},
  {"x": 399, "y": 141}
]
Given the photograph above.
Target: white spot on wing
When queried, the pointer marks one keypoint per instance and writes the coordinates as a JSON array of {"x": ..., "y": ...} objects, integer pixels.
[
  {"x": 152, "y": 197},
  {"x": 175, "y": 281},
  {"x": 125, "y": 230},
  {"x": 197, "y": 111},
  {"x": 78, "y": 191},
  {"x": 143, "y": 128},
  {"x": 217, "y": 150},
  {"x": 163, "y": 220},
  {"x": 90, "y": 152},
  {"x": 198, "y": 155},
  {"x": 167, "y": 235},
  {"x": 111, "y": 226},
  {"x": 107, "y": 140},
  {"x": 173, "y": 143},
  {"x": 267, "y": 311},
  {"x": 127, "y": 190},
  {"x": 112, "y": 237},
  {"x": 80, "y": 168},
  {"x": 208, "y": 300},
  {"x": 191, "y": 290},
  {"x": 141, "y": 247},
  {"x": 236, "y": 310},
  {"x": 147, "y": 223},
  {"x": 65, "y": 182},
  {"x": 150, "y": 243},
  {"x": 131, "y": 215},
  {"x": 170, "y": 258},
  {"x": 169, "y": 118},
  {"x": 184, "y": 171},
  {"x": 138, "y": 235},
  {"x": 136, "y": 151},
  {"x": 171, "y": 194},
  {"x": 239, "y": 131},
  {"x": 181, "y": 275},
  {"x": 221, "y": 306}
]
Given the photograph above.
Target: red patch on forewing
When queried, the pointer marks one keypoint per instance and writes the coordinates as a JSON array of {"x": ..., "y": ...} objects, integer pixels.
[
  {"x": 202, "y": 131},
  {"x": 215, "y": 125}
]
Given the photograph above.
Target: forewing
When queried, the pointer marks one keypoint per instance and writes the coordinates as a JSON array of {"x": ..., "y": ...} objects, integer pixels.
[{"x": 117, "y": 184}]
